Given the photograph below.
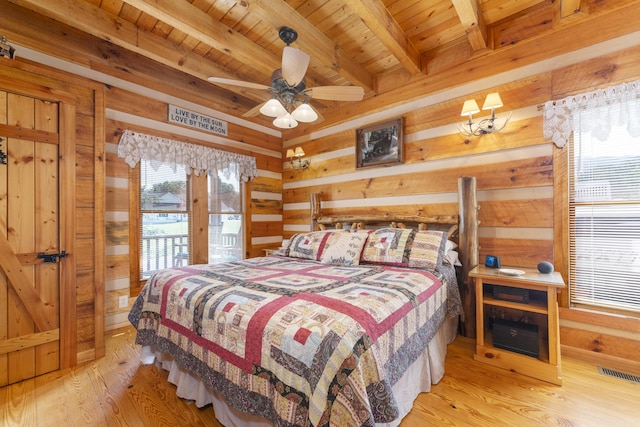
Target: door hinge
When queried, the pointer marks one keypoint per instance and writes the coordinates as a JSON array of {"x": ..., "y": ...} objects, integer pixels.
[{"x": 52, "y": 257}]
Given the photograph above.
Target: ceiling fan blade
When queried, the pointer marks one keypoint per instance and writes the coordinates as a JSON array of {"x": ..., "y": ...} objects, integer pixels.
[
  {"x": 242, "y": 83},
  {"x": 336, "y": 93},
  {"x": 294, "y": 65},
  {"x": 254, "y": 111}
]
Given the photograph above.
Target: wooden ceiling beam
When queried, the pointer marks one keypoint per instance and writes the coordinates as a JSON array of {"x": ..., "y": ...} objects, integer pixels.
[
  {"x": 472, "y": 22},
  {"x": 611, "y": 18},
  {"x": 198, "y": 24},
  {"x": 99, "y": 23},
  {"x": 381, "y": 23},
  {"x": 311, "y": 40},
  {"x": 194, "y": 22},
  {"x": 73, "y": 45},
  {"x": 569, "y": 7}
]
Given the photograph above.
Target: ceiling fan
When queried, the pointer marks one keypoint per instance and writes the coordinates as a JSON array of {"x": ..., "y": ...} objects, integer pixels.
[{"x": 289, "y": 93}]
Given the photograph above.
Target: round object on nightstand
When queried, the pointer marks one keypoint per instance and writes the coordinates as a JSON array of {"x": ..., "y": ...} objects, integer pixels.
[{"x": 545, "y": 267}]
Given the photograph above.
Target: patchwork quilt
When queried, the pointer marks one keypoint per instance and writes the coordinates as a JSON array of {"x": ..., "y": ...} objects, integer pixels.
[{"x": 299, "y": 342}]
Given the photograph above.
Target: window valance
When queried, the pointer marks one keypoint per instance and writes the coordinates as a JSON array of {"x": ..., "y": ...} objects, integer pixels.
[
  {"x": 594, "y": 112},
  {"x": 134, "y": 146}
]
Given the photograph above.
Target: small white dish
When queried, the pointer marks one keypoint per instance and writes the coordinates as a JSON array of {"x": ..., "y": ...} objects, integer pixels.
[{"x": 511, "y": 272}]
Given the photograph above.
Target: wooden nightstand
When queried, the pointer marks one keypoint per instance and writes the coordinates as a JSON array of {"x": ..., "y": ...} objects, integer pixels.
[
  {"x": 539, "y": 308},
  {"x": 270, "y": 251}
]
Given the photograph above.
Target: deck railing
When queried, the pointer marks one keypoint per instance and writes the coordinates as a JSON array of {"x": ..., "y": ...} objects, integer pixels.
[
  {"x": 163, "y": 251},
  {"x": 172, "y": 250}
]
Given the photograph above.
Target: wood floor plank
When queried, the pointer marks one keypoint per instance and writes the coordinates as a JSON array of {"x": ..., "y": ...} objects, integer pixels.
[
  {"x": 20, "y": 404},
  {"x": 116, "y": 373},
  {"x": 50, "y": 404},
  {"x": 476, "y": 394},
  {"x": 84, "y": 404},
  {"x": 145, "y": 388},
  {"x": 109, "y": 401},
  {"x": 117, "y": 390}
]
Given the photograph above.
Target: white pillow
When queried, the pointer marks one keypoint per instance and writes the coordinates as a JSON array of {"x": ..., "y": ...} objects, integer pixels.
[
  {"x": 344, "y": 249},
  {"x": 452, "y": 258}
]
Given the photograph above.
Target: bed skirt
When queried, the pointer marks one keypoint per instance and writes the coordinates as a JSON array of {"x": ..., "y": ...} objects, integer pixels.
[{"x": 428, "y": 369}]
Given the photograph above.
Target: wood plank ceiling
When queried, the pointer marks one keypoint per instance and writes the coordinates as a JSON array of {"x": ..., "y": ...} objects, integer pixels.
[{"x": 380, "y": 45}]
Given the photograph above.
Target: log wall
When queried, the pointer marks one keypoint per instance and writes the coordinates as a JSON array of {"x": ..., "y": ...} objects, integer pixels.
[
  {"x": 518, "y": 178},
  {"x": 520, "y": 190},
  {"x": 128, "y": 110}
]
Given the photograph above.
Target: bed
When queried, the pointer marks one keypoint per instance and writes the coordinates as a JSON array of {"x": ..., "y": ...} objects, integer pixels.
[{"x": 343, "y": 327}]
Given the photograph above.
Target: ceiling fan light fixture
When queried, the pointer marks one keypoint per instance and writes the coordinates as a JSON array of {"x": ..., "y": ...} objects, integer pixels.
[
  {"x": 273, "y": 108},
  {"x": 304, "y": 113},
  {"x": 289, "y": 90},
  {"x": 285, "y": 122}
]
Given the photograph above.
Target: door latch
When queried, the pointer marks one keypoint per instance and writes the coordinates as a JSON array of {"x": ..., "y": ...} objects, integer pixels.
[{"x": 52, "y": 257}]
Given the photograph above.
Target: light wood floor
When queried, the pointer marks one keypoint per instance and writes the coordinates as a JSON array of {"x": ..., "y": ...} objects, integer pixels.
[{"x": 118, "y": 391}]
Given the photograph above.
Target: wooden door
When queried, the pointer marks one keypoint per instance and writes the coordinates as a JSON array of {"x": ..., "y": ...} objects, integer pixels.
[{"x": 29, "y": 229}]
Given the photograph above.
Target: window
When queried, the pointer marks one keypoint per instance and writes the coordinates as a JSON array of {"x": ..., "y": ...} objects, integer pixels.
[
  {"x": 166, "y": 217},
  {"x": 173, "y": 202},
  {"x": 165, "y": 211},
  {"x": 225, "y": 216},
  {"x": 605, "y": 221}
]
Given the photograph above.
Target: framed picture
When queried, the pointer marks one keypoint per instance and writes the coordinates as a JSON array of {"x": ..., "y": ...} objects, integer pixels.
[{"x": 379, "y": 144}]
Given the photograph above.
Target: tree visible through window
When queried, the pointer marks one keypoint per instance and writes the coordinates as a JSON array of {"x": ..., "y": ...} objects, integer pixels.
[{"x": 605, "y": 221}]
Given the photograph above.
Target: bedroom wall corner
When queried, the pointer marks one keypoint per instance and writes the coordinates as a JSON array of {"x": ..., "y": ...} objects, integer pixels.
[{"x": 143, "y": 113}]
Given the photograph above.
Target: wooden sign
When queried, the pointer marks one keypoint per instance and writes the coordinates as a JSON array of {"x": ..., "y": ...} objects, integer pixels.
[{"x": 197, "y": 121}]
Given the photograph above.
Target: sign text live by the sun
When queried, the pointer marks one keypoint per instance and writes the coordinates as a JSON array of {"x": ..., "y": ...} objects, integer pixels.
[{"x": 196, "y": 120}]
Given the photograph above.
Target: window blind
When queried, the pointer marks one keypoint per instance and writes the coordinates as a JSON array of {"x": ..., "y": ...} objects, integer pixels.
[{"x": 604, "y": 217}]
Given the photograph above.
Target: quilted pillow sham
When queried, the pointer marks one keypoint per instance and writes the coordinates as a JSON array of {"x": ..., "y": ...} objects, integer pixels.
[
  {"x": 389, "y": 246},
  {"x": 310, "y": 245},
  {"x": 427, "y": 250},
  {"x": 344, "y": 248}
]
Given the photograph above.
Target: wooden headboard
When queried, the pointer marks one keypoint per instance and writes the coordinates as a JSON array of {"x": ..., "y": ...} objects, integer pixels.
[{"x": 464, "y": 226}]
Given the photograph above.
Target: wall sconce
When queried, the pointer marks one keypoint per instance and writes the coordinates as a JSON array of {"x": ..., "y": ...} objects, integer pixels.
[
  {"x": 295, "y": 159},
  {"x": 484, "y": 126},
  {"x": 6, "y": 50}
]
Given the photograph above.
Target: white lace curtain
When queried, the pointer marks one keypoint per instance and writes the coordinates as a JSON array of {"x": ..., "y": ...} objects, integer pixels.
[
  {"x": 195, "y": 158},
  {"x": 594, "y": 112}
]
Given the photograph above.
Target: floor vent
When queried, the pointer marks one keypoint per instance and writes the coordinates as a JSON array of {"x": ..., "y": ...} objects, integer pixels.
[{"x": 618, "y": 374}]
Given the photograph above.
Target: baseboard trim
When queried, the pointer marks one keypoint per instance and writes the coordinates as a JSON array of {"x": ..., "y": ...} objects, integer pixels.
[{"x": 605, "y": 360}]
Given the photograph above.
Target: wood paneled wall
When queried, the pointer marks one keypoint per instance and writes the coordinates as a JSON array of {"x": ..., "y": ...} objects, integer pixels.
[
  {"x": 515, "y": 174},
  {"x": 515, "y": 171},
  {"x": 127, "y": 110},
  {"x": 513, "y": 168}
]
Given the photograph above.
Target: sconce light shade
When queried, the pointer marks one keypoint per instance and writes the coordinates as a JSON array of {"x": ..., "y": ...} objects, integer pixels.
[
  {"x": 493, "y": 100},
  {"x": 285, "y": 122},
  {"x": 304, "y": 113},
  {"x": 470, "y": 107},
  {"x": 484, "y": 126},
  {"x": 295, "y": 159},
  {"x": 273, "y": 108}
]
